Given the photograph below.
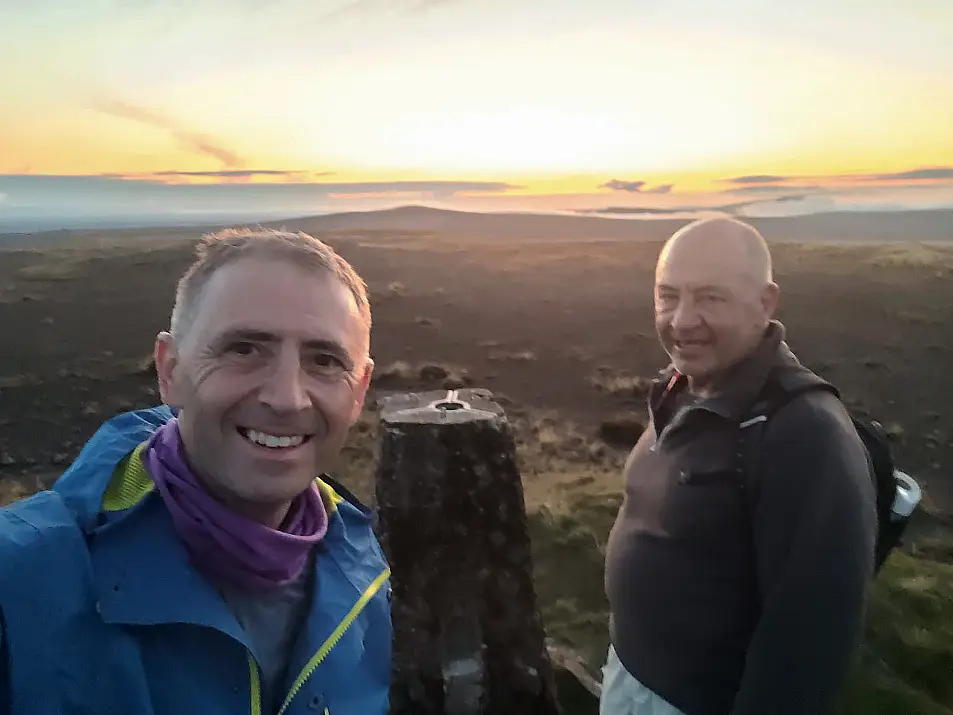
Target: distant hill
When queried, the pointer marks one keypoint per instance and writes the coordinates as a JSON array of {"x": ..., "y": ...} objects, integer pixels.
[
  {"x": 929, "y": 225},
  {"x": 493, "y": 225},
  {"x": 874, "y": 226}
]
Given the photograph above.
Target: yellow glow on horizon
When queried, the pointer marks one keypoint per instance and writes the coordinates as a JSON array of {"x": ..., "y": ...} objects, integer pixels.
[{"x": 552, "y": 118}]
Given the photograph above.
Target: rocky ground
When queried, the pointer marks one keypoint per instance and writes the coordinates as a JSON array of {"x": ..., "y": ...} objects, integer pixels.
[{"x": 563, "y": 325}]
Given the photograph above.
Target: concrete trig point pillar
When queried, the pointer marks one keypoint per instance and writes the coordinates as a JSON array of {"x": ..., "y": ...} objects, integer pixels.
[{"x": 468, "y": 639}]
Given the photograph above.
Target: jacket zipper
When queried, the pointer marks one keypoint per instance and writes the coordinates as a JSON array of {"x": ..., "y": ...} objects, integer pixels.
[
  {"x": 321, "y": 654},
  {"x": 255, "y": 685}
]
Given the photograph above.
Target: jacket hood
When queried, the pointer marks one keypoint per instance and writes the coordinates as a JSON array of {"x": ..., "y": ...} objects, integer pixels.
[
  {"x": 785, "y": 370},
  {"x": 791, "y": 375},
  {"x": 83, "y": 484}
]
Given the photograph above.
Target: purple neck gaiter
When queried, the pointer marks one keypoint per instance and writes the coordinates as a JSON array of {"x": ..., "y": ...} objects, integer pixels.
[{"x": 229, "y": 549}]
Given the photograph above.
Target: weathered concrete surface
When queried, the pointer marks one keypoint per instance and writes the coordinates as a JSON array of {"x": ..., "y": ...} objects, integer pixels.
[{"x": 468, "y": 638}]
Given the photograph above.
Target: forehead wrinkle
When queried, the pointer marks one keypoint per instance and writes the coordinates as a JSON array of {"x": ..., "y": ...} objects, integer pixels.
[{"x": 343, "y": 331}]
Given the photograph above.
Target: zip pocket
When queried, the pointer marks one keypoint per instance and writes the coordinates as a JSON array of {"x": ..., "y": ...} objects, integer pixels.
[{"x": 708, "y": 477}]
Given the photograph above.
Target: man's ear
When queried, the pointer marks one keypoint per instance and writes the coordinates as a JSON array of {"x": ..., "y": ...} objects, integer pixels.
[
  {"x": 770, "y": 297},
  {"x": 166, "y": 358},
  {"x": 360, "y": 390}
]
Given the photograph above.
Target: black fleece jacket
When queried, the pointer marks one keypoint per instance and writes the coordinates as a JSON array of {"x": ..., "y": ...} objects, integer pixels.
[{"x": 724, "y": 604}]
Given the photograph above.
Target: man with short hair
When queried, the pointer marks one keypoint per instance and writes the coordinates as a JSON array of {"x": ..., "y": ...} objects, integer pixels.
[
  {"x": 196, "y": 558},
  {"x": 735, "y": 588}
]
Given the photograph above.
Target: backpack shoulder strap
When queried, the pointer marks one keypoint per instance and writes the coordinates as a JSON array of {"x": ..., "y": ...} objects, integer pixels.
[{"x": 751, "y": 432}]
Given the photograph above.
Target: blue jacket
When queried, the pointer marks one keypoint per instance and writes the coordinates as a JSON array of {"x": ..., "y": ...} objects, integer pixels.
[{"x": 101, "y": 613}]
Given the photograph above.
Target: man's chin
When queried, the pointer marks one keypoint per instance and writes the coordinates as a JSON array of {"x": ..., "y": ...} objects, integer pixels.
[
  {"x": 685, "y": 365},
  {"x": 691, "y": 366},
  {"x": 281, "y": 493},
  {"x": 266, "y": 484}
]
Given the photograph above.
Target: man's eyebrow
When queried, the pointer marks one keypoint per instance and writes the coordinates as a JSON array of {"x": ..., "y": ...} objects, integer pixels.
[
  {"x": 247, "y": 334},
  {"x": 331, "y": 346},
  {"x": 707, "y": 287},
  {"x": 263, "y": 336}
]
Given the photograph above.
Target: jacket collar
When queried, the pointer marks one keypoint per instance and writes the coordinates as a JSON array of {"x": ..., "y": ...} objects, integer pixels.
[
  {"x": 83, "y": 484},
  {"x": 143, "y": 576},
  {"x": 142, "y": 573},
  {"x": 742, "y": 386}
]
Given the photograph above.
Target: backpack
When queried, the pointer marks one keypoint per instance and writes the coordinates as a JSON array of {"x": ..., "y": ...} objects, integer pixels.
[{"x": 887, "y": 479}]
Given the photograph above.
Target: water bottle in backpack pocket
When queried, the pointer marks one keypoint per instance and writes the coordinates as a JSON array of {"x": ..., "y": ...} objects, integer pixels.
[{"x": 898, "y": 494}]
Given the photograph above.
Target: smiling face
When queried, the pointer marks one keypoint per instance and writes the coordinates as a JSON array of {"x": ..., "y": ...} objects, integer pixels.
[
  {"x": 713, "y": 299},
  {"x": 268, "y": 379}
]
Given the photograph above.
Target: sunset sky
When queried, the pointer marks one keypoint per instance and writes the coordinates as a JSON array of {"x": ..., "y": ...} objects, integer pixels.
[{"x": 484, "y": 103}]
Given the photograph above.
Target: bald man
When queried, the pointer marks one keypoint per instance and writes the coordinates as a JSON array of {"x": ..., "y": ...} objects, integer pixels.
[{"x": 735, "y": 587}]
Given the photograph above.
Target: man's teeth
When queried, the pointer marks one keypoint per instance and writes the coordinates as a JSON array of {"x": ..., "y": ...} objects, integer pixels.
[{"x": 270, "y": 440}]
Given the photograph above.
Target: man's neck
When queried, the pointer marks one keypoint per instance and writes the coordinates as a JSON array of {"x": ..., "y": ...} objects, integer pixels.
[
  {"x": 270, "y": 515},
  {"x": 703, "y": 389}
]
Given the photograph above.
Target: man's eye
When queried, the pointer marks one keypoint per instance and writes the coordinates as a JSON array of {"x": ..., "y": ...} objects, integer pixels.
[
  {"x": 241, "y": 348},
  {"x": 327, "y": 362}
]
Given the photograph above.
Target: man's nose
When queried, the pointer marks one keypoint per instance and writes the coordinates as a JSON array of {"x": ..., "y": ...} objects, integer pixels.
[
  {"x": 284, "y": 389},
  {"x": 685, "y": 316}
]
